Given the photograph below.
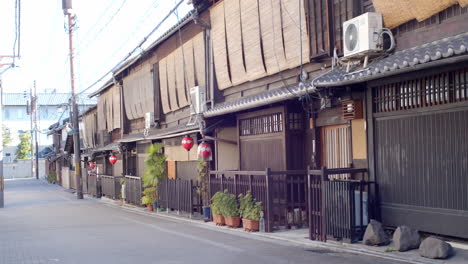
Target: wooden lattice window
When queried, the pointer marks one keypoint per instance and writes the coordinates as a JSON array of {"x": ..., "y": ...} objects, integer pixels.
[
  {"x": 295, "y": 121},
  {"x": 426, "y": 91},
  {"x": 265, "y": 124}
]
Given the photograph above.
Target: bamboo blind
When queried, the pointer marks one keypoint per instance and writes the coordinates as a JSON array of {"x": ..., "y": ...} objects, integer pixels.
[
  {"x": 171, "y": 82},
  {"x": 116, "y": 107},
  {"x": 397, "y": 12},
  {"x": 251, "y": 39},
  {"x": 189, "y": 68},
  {"x": 180, "y": 71},
  {"x": 219, "y": 46},
  {"x": 234, "y": 36},
  {"x": 101, "y": 110},
  {"x": 199, "y": 57},
  {"x": 424, "y": 9},
  {"x": 292, "y": 33},
  {"x": 108, "y": 97},
  {"x": 138, "y": 93},
  {"x": 271, "y": 34},
  {"x": 163, "y": 86}
]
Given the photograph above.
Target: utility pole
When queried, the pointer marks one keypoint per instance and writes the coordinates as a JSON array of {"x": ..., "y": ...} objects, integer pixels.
[
  {"x": 35, "y": 130},
  {"x": 31, "y": 109},
  {"x": 2, "y": 179},
  {"x": 67, "y": 10}
]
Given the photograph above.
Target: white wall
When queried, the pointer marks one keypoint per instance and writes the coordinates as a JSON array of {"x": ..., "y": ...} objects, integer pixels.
[{"x": 22, "y": 169}]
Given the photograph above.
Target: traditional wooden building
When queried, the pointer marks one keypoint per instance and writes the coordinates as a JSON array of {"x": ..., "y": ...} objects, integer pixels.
[{"x": 254, "y": 78}]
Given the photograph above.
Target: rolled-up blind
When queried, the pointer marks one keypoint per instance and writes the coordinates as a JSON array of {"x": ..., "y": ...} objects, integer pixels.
[
  {"x": 180, "y": 72},
  {"x": 171, "y": 82},
  {"x": 251, "y": 40},
  {"x": 219, "y": 46},
  {"x": 272, "y": 36},
  {"x": 199, "y": 57},
  {"x": 163, "y": 86},
  {"x": 292, "y": 33},
  {"x": 139, "y": 93},
  {"x": 232, "y": 16}
]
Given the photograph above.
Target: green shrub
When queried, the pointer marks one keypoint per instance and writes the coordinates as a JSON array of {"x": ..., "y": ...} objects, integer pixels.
[
  {"x": 149, "y": 195},
  {"x": 52, "y": 177},
  {"x": 249, "y": 207},
  {"x": 216, "y": 203},
  {"x": 230, "y": 206},
  {"x": 155, "y": 171}
]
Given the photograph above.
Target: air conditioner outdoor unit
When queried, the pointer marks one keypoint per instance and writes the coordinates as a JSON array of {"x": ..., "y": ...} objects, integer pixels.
[
  {"x": 197, "y": 97},
  {"x": 149, "y": 120},
  {"x": 361, "y": 35}
]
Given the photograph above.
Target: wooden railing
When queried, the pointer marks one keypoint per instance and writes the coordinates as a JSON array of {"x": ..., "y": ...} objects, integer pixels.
[
  {"x": 179, "y": 195},
  {"x": 133, "y": 189},
  {"x": 340, "y": 209},
  {"x": 110, "y": 186},
  {"x": 282, "y": 193},
  {"x": 94, "y": 188}
]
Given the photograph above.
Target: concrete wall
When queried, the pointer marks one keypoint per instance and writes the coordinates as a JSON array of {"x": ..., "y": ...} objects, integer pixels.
[
  {"x": 66, "y": 177},
  {"x": 22, "y": 169}
]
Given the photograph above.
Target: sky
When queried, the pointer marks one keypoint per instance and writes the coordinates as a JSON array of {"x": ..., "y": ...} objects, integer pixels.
[{"x": 107, "y": 30}]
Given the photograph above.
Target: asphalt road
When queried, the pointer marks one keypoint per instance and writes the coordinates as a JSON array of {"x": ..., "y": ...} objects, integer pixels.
[{"x": 41, "y": 223}]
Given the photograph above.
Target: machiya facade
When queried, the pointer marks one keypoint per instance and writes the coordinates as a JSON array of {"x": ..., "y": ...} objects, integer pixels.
[{"x": 321, "y": 146}]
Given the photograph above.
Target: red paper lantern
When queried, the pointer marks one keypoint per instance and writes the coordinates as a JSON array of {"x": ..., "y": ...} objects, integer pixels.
[
  {"x": 92, "y": 165},
  {"x": 187, "y": 143},
  {"x": 113, "y": 159},
  {"x": 204, "y": 151}
]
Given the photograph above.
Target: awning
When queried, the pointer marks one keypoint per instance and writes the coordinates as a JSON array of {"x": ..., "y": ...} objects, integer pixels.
[
  {"x": 172, "y": 132},
  {"x": 437, "y": 53},
  {"x": 262, "y": 99},
  {"x": 57, "y": 157},
  {"x": 114, "y": 146},
  {"x": 132, "y": 138}
]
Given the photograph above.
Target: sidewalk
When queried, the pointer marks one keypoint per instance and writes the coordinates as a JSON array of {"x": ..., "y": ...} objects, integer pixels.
[{"x": 300, "y": 237}]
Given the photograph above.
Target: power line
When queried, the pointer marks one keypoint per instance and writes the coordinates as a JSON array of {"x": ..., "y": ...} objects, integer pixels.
[
  {"x": 137, "y": 47},
  {"x": 101, "y": 29}
]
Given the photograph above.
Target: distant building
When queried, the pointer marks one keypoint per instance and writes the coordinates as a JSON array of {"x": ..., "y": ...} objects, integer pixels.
[{"x": 51, "y": 108}]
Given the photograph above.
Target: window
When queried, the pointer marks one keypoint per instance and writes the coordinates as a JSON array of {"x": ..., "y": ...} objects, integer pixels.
[
  {"x": 258, "y": 125},
  {"x": 422, "y": 92}
]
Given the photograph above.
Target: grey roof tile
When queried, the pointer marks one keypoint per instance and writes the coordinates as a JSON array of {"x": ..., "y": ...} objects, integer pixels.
[{"x": 429, "y": 52}]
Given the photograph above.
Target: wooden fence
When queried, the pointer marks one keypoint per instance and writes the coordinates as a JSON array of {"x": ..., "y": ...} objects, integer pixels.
[
  {"x": 340, "y": 209},
  {"x": 180, "y": 195},
  {"x": 133, "y": 189},
  {"x": 333, "y": 209},
  {"x": 110, "y": 186},
  {"x": 94, "y": 188}
]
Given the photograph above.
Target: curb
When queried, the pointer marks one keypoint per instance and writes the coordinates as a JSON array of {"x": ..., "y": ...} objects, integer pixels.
[{"x": 315, "y": 244}]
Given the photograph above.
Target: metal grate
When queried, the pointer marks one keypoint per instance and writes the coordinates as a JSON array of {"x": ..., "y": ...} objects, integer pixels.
[
  {"x": 351, "y": 109},
  {"x": 422, "y": 92},
  {"x": 258, "y": 125}
]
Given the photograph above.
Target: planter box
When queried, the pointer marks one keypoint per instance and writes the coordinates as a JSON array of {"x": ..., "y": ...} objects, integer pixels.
[
  {"x": 233, "y": 221},
  {"x": 250, "y": 225},
  {"x": 219, "y": 220}
]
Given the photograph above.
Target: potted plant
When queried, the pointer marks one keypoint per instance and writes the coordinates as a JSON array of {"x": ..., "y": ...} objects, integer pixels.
[
  {"x": 216, "y": 205},
  {"x": 250, "y": 211},
  {"x": 154, "y": 173},
  {"x": 149, "y": 197},
  {"x": 230, "y": 210},
  {"x": 122, "y": 191}
]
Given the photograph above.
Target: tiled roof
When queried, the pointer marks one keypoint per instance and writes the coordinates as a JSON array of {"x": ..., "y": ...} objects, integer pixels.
[
  {"x": 261, "y": 99},
  {"x": 44, "y": 99},
  {"x": 401, "y": 61}
]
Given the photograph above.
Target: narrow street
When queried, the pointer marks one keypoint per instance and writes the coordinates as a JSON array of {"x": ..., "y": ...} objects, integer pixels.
[{"x": 41, "y": 223}]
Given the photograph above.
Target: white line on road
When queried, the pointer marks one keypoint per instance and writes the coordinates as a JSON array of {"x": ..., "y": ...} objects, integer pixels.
[{"x": 199, "y": 239}]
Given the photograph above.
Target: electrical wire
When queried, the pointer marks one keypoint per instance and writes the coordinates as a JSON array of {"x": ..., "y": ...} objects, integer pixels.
[{"x": 136, "y": 48}]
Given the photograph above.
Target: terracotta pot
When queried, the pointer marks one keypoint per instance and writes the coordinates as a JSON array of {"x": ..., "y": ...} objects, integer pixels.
[
  {"x": 149, "y": 207},
  {"x": 250, "y": 225},
  {"x": 121, "y": 202},
  {"x": 219, "y": 220},
  {"x": 233, "y": 221}
]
